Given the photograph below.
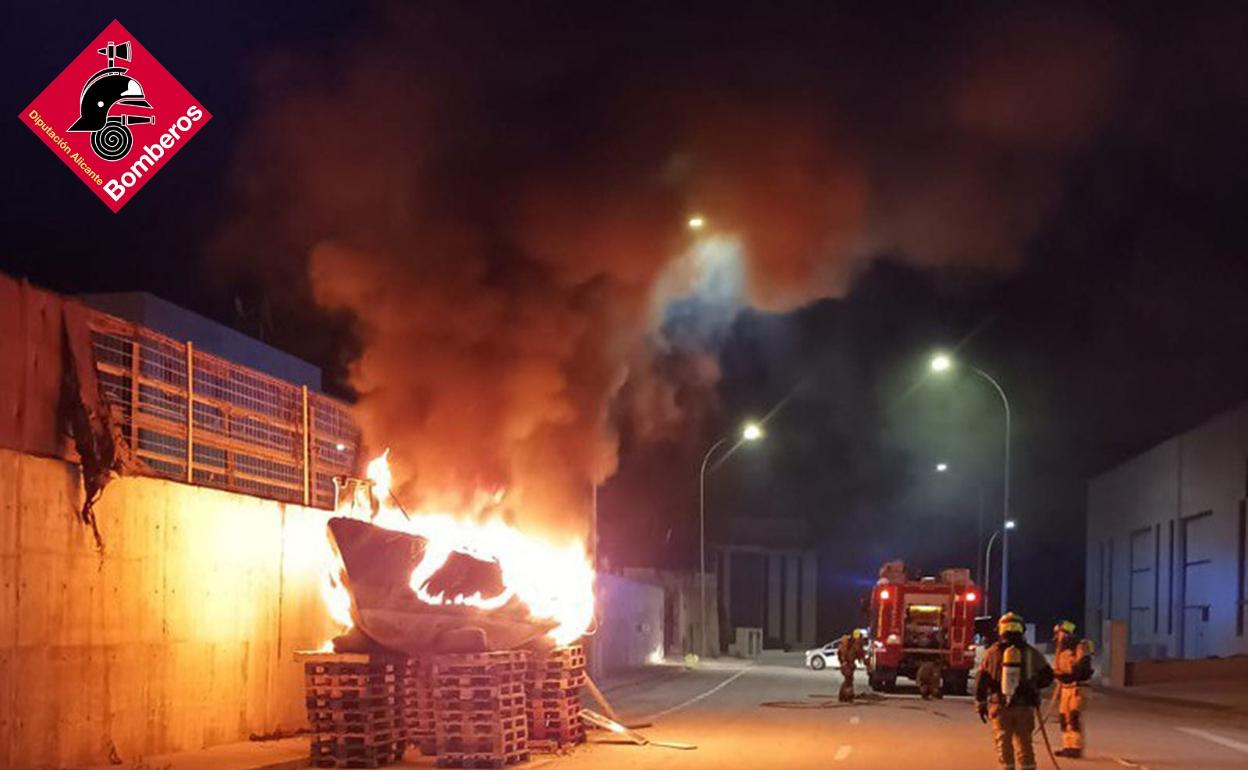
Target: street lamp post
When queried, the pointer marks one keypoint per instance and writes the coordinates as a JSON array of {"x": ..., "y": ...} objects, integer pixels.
[
  {"x": 750, "y": 432},
  {"x": 987, "y": 571},
  {"x": 942, "y": 363}
]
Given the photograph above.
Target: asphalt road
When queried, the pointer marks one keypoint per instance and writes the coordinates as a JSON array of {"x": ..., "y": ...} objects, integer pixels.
[{"x": 786, "y": 717}]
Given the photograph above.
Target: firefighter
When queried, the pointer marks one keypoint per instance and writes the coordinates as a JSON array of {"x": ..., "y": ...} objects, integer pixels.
[
  {"x": 931, "y": 679},
  {"x": 1007, "y": 693},
  {"x": 1072, "y": 666},
  {"x": 849, "y": 650}
]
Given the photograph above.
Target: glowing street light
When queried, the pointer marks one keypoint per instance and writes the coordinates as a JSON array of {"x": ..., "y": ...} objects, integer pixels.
[
  {"x": 696, "y": 222},
  {"x": 942, "y": 467},
  {"x": 1010, "y": 524},
  {"x": 750, "y": 432},
  {"x": 941, "y": 363}
]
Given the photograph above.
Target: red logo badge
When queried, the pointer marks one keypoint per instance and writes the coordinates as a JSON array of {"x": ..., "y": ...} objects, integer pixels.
[{"x": 115, "y": 116}]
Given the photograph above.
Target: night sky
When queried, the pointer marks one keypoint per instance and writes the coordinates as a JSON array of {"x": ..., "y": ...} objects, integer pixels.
[{"x": 1078, "y": 229}]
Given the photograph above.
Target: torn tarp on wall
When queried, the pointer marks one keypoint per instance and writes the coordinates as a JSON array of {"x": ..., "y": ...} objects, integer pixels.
[{"x": 85, "y": 415}]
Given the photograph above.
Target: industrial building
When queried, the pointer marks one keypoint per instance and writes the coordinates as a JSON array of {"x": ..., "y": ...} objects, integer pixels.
[
  {"x": 1166, "y": 543},
  {"x": 768, "y": 579}
]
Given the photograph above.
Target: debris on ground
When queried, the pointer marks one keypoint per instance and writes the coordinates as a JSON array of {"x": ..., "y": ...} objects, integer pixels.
[{"x": 595, "y": 719}]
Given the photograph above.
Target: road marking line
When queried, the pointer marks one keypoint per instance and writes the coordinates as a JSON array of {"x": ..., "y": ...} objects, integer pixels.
[
  {"x": 1218, "y": 739},
  {"x": 842, "y": 752},
  {"x": 658, "y": 715},
  {"x": 855, "y": 720}
]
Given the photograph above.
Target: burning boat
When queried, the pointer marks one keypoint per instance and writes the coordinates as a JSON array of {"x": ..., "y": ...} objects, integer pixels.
[{"x": 434, "y": 582}]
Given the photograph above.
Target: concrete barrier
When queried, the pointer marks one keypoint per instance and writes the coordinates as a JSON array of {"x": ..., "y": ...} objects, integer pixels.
[
  {"x": 177, "y": 636},
  {"x": 1141, "y": 672},
  {"x": 749, "y": 643},
  {"x": 630, "y": 633}
]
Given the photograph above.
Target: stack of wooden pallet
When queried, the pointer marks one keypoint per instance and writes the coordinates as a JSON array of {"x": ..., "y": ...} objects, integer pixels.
[
  {"x": 418, "y": 705},
  {"x": 354, "y": 710},
  {"x": 479, "y": 709},
  {"x": 553, "y": 689}
]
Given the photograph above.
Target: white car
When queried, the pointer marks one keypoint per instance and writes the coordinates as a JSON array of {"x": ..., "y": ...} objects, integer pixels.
[{"x": 820, "y": 658}]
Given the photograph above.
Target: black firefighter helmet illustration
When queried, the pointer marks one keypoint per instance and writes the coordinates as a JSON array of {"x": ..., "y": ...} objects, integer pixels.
[{"x": 110, "y": 135}]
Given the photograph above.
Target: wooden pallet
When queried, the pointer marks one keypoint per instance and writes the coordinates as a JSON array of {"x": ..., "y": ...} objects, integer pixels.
[
  {"x": 481, "y": 664},
  {"x": 563, "y": 731},
  {"x": 375, "y": 759},
  {"x": 557, "y": 686},
  {"x": 417, "y": 704},
  {"x": 380, "y": 667},
  {"x": 444, "y": 703},
  {"x": 317, "y": 703},
  {"x": 347, "y": 727},
  {"x": 352, "y": 666},
  {"x": 538, "y": 722},
  {"x": 560, "y": 659},
  {"x": 479, "y": 706},
  {"x": 372, "y": 757},
  {"x": 516, "y": 725},
  {"x": 548, "y": 723},
  {"x": 354, "y": 710},
  {"x": 339, "y": 741},
  {"x": 496, "y": 746},
  {"x": 457, "y": 690},
  {"x": 482, "y": 760},
  {"x": 365, "y": 715},
  {"x": 357, "y": 681},
  {"x": 553, "y": 684}
]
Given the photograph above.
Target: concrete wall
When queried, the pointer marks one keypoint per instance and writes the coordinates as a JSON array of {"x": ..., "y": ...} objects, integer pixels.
[
  {"x": 681, "y": 619},
  {"x": 631, "y": 623},
  {"x": 1166, "y": 544},
  {"x": 178, "y": 635}
]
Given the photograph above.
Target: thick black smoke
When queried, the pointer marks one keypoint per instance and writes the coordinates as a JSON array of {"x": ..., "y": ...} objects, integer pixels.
[{"x": 496, "y": 203}]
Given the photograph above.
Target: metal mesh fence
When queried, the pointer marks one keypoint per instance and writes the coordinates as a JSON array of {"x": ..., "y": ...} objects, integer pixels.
[{"x": 244, "y": 431}]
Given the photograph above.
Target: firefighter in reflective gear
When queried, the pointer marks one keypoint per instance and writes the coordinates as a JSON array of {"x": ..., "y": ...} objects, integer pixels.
[
  {"x": 1072, "y": 667},
  {"x": 931, "y": 679},
  {"x": 849, "y": 650},
  {"x": 1007, "y": 693}
]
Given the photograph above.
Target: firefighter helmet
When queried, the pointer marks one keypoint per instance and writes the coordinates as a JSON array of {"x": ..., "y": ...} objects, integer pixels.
[
  {"x": 106, "y": 89},
  {"x": 857, "y": 633},
  {"x": 1064, "y": 627},
  {"x": 1010, "y": 622}
]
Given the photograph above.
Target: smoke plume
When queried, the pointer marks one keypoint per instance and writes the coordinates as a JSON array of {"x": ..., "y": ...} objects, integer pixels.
[{"x": 497, "y": 208}]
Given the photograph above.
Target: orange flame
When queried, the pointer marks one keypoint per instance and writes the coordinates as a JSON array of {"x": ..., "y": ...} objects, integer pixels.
[
  {"x": 337, "y": 599},
  {"x": 554, "y": 582}
]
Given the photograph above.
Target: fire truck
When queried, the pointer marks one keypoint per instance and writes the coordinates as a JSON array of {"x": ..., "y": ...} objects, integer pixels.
[{"x": 917, "y": 619}]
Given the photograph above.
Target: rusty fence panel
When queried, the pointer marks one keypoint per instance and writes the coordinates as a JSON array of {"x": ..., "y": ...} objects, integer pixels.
[{"x": 245, "y": 431}]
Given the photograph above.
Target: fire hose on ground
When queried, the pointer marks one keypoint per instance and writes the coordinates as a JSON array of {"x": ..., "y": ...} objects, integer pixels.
[
  {"x": 1049, "y": 711},
  {"x": 1047, "y": 746}
]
